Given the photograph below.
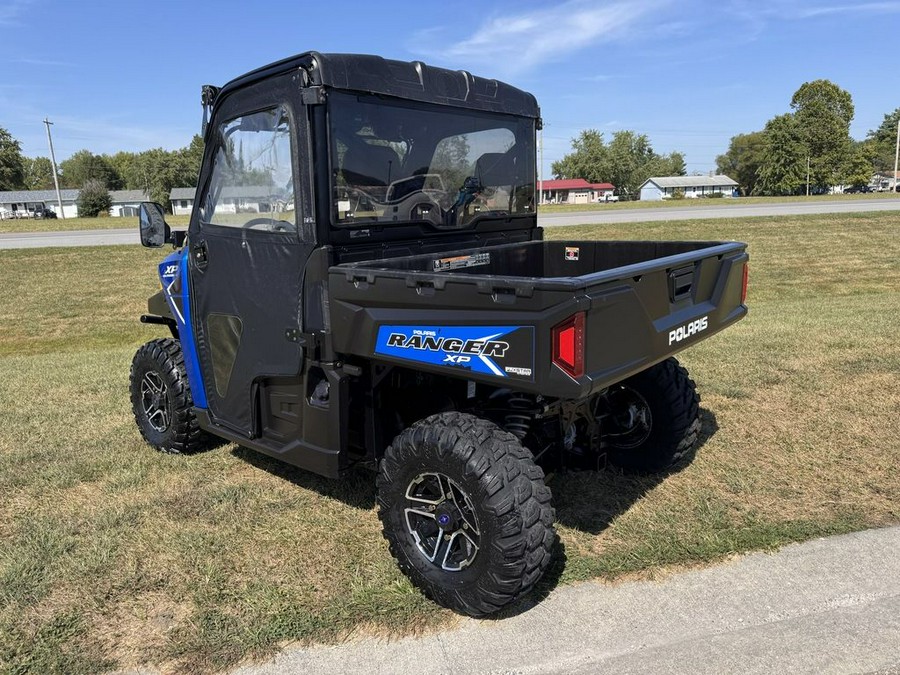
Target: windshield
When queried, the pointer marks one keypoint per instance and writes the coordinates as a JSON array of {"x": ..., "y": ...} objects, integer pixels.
[{"x": 395, "y": 162}]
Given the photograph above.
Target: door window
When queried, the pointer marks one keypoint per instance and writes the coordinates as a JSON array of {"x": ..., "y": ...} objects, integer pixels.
[{"x": 252, "y": 183}]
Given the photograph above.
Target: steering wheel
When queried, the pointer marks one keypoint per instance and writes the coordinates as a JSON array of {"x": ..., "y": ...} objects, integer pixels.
[{"x": 273, "y": 224}]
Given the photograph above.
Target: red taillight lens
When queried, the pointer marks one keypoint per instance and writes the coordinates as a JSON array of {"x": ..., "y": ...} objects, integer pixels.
[
  {"x": 744, "y": 283},
  {"x": 568, "y": 345}
]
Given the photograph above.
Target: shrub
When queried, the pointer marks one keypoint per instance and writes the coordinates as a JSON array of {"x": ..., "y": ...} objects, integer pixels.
[{"x": 93, "y": 200}]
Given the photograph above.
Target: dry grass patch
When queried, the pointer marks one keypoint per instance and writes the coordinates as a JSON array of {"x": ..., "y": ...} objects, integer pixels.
[{"x": 113, "y": 556}]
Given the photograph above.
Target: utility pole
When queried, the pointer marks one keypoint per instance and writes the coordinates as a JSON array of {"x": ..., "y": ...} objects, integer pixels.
[
  {"x": 541, "y": 165},
  {"x": 807, "y": 175},
  {"x": 55, "y": 172},
  {"x": 896, "y": 155}
]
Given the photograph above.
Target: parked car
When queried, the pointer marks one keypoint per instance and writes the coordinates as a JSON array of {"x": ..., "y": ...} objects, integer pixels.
[
  {"x": 857, "y": 189},
  {"x": 44, "y": 212}
]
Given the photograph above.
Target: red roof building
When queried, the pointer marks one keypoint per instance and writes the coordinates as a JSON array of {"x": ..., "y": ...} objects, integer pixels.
[{"x": 574, "y": 191}]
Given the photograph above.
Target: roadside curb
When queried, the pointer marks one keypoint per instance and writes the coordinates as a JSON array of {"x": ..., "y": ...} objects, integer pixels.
[{"x": 828, "y": 605}]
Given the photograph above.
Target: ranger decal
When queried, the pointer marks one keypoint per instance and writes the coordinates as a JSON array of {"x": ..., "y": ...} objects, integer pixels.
[{"x": 502, "y": 351}]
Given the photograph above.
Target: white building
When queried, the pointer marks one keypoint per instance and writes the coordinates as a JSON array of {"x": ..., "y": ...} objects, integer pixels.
[
  {"x": 182, "y": 200},
  {"x": 126, "y": 202},
  {"x": 574, "y": 191},
  {"x": 21, "y": 203},
  {"x": 692, "y": 187}
]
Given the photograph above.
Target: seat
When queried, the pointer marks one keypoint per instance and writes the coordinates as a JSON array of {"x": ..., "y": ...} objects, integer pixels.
[{"x": 366, "y": 165}]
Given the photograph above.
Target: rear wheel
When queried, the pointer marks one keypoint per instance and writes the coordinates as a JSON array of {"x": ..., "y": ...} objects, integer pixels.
[
  {"x": 465, "y": 512},
  {"x": 161, "y": 399},
  {"x": 654, "y": 419}
]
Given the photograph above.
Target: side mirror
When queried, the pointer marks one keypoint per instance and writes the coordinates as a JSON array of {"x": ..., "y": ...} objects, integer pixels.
[{"x": 154, "y": 230}]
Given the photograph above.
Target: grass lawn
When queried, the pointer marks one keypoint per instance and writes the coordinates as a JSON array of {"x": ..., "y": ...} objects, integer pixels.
[
  {"x": 59, "y": 225},
  {"x": 68, "y": 224},
  {"x": 742, "y": 201},
  {"x": 114, "y": 556}
]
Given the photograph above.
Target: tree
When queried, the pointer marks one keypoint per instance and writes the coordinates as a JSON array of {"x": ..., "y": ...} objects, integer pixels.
[
  {"x": 743, "y": 159},
  {"x": 192, "y": 156},
  {"x": 783, "y": 170},
  {"x": 883, "y": 140},
  {"x": 39, "y": 173},
  {"x": 12, "y": 164},
  {"x": 823, "y": 112},
  {"x": 93, "y": 199},
  {"x": 858, "y": 165},
  {"x": 588, "y": 159},
  {"x": 84, "y": 166},
  {"x": 626, "y": 162}
]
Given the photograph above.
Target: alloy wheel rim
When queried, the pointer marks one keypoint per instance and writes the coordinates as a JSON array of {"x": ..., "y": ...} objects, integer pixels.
[
  {"x": 440, "y": 518},
  {"x": 155, "y": 401}
]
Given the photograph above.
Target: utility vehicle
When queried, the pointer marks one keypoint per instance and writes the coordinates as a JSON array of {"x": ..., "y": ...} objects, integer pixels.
[{"x": 363, "y": 282}]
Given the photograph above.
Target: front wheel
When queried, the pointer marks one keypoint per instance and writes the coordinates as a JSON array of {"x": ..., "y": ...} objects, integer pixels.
[
  {"x": 161, "y": 399},
  {"x": 465, "y": 512},
  {"x": 653, "y": 419}
]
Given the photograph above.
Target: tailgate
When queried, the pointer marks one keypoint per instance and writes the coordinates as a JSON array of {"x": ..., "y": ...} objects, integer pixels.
[
  {"x": 506, "y": 330},
  {"x": 655, "y": 310}
]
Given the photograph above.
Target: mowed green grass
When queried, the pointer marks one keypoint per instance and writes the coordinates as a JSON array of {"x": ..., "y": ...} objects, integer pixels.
[
  {"x": 9, "y": 226},
  {"x": 114, "y": 556}
]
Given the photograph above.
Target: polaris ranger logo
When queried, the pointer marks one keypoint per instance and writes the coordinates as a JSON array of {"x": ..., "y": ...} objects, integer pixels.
[
  {"x": 502, "y": 351},
  {"x": 689, "y": 329},
  {"x": 429, "y": 341}
]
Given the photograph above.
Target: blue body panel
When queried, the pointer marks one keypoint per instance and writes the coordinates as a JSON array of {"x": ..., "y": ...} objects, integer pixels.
[{"x": 173, "y": 272}]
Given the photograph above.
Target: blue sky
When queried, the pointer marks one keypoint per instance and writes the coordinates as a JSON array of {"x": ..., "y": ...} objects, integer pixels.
[{"x": 126, "y": 75}]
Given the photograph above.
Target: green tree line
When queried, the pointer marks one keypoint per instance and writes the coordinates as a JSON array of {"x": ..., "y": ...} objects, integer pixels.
[
  {"x": 626, "y": 161},
  {"x": 814, "y": 139},
  {"x": 154, "y": 171}
]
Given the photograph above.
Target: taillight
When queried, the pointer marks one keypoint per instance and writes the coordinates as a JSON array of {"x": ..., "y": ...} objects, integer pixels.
[
  {"x": 568, "y": 345},
  {"x": 744, "y": 282}
]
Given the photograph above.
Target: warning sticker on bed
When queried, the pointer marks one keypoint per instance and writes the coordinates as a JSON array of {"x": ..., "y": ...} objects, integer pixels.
[
  {"x": 572, "y": 252},
  {"x": 461, "y": 261}
]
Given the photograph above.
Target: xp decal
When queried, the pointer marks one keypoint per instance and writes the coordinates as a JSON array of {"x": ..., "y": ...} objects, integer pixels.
[{"x": 502, "y": 351}]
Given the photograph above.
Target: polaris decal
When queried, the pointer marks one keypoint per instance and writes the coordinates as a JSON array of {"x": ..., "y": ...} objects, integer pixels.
[
  {"x": 689, "y": 329},
  {"x": 502, "y": 351}
]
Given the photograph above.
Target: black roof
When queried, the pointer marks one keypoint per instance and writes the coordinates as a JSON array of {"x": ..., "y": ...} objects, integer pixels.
[{"x": 403, "y": 79}]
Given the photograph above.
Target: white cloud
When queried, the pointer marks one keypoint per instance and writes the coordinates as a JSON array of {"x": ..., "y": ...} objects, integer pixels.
[
  {"x": 518, "y": 42},
  {"x": 760, "y": 11},
  {"x": 857, "y": 9}
]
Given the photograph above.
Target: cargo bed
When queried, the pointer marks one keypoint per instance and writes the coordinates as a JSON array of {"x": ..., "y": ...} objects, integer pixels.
[{"x": 639, "y": 301}]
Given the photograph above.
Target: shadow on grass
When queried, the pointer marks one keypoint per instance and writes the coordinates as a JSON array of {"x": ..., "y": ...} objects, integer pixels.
[
  {"x": 356, "y": 488},
  {"x": 591, "y": 500},
  {"x": 586, "y": 500}
]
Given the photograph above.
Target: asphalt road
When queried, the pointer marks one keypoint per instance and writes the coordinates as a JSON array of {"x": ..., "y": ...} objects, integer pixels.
[
  {"x": 826, "y": 606},
  {"x": 596, "y": 217},
  {"x": 732, "y": 210}
]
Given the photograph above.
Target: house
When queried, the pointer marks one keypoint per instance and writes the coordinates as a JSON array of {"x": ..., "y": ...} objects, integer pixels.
[
  {"x": 574, "y": 191},
  {"x": 885, "y": 181},
  {"x": 182, "y": 200},
  {"x": 654, "y": 189},
  {"x": 234, "y": 199},
  {"x": 126, "y": 202},
  {"x": 21, "y": 202}
]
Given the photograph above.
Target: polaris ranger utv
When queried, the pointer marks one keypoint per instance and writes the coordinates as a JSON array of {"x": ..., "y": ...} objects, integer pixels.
[{"x": 363, "y": 282}]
